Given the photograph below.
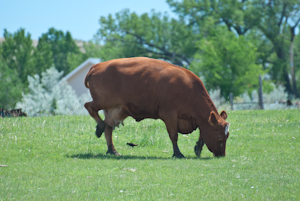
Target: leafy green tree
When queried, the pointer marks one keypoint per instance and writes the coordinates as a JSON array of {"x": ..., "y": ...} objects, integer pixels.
[
  {"x": 17, "y": 53},
  {"x": 10, "y": 86},
  {"x": 276, "y": 21},
  {"x": 297, "y": 59},
  {"x": 43, "y": 57},
  {"x": 237, "y": 16},
  {"x": 223, "y": 59},
  {"x": 61, "y": 46},
  {"x": 227, "y": 62},
  {"x": 75, "y": 59},
  {"x": 90, "y": 49},
  {"x": 153, "y": 35},
  {"x": 20, "y": 59},
  {"x": 93, "y": 48},
  {"x": 16, "y": 62}
]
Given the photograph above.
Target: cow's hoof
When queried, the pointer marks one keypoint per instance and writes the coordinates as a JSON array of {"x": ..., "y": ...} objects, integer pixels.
[
  {"x": 113, "y": 152},
  {"x": 198, "y": 148},
  {"x": 100, "y": 129},
  {"x": 178, "y": 156}
]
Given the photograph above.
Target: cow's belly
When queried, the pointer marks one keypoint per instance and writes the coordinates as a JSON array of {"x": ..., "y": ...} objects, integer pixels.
[
  {"x": 185, "y": 126},
  {"x": 114, "y": 116}
]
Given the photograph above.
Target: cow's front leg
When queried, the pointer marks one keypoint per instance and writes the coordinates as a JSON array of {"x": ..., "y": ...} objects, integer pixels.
[
  {"x": 110, "y": 145},
  {"x": 170, "y": 119},
  {"x": 198, "y": 147},
  {"x": 173, "y": 134},
  {"x": 176, "y": 151}
]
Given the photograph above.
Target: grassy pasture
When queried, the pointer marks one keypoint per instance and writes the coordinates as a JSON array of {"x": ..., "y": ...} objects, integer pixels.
[{"x": 60, "y": 158}]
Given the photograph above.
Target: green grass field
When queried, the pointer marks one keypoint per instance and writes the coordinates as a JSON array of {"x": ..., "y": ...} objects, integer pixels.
[{"x": 60, "y": 158}]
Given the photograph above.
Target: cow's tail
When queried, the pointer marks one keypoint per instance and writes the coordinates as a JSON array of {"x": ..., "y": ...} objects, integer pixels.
[
  {"x": 87, "y": 78},
  {"x": 86, "y": 81}
]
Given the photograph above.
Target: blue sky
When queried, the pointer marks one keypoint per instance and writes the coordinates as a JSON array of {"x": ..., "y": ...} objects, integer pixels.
[{"x": 81, "y": 18}]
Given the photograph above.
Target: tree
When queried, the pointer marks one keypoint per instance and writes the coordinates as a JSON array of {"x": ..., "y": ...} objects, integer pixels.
[
  {"x": 10, "y": 86},
  {"x": 93, "y": 48},
  {"x": 61, "y": 46},
  {"x": 43, "y": 57},
  {"x": 131, "y": 35},
  {"x": 90, "y": 49},
  {"x": 20, "y": 59},
  {"x": 17, "y": 53},
  {"x": 227, "y": 62},
  {"x": 16, "y": 62},
  {"x": 275, "y": 20},
  {"x": 297, "y": 59},
  {"x": 278, "y": 23},
  {"x": 153, "y": 35},
  {"x": 237, "y": 16}
]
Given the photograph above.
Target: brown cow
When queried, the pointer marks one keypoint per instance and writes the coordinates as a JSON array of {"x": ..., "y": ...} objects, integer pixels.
[{"x": 150, "y": 88}]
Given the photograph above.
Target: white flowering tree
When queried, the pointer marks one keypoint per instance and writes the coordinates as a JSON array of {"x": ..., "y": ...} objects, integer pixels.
[{"x": 50, "y": 96}]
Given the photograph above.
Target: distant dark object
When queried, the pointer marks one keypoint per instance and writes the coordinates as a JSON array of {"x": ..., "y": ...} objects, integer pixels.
[
  {"x": 298, "y": 104},
  {"x": 12, "y": 113},
  {"x": 287, "y": 103},
  {"x": 131, "y": 144}
]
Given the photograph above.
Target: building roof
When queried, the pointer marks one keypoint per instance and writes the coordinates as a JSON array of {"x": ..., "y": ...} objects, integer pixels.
[{"x": 74, "y": 72}]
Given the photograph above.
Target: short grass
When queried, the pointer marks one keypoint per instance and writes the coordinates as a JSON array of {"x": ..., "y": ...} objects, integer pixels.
[{"x": 60, "y": 158}]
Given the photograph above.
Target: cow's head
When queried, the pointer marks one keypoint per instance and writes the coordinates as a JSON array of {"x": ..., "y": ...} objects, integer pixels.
[{"x": 216, "y": 133}]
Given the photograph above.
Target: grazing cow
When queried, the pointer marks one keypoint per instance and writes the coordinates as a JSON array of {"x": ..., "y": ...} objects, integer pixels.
[{"x": 149, "y": 88}]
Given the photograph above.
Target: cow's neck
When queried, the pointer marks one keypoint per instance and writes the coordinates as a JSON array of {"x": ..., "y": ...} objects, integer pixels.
[{"x": 205, "y": 108}]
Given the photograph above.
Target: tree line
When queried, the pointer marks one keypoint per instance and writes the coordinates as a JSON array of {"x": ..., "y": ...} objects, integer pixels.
[
  {"x": 226, "y": 43},
  {"x": 19, "y": 58}
]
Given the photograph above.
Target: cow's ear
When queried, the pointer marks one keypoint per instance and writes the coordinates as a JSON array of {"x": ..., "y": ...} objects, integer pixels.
[
  {"x": 223, "y": 115},
  {"x": 213, "y": 118}
]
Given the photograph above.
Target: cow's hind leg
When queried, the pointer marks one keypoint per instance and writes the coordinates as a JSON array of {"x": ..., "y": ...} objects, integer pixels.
[
  {"x": 93, "y": 110},
  {"x": 198, "y": 147},
  {"x": 110, "y": 145}
]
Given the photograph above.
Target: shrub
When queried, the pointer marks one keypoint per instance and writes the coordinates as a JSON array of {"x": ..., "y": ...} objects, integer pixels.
[
  {"x": 50, "y": 96},
  {"x": 218, "y": 100},
  {"x": 274, "y": 100}
]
